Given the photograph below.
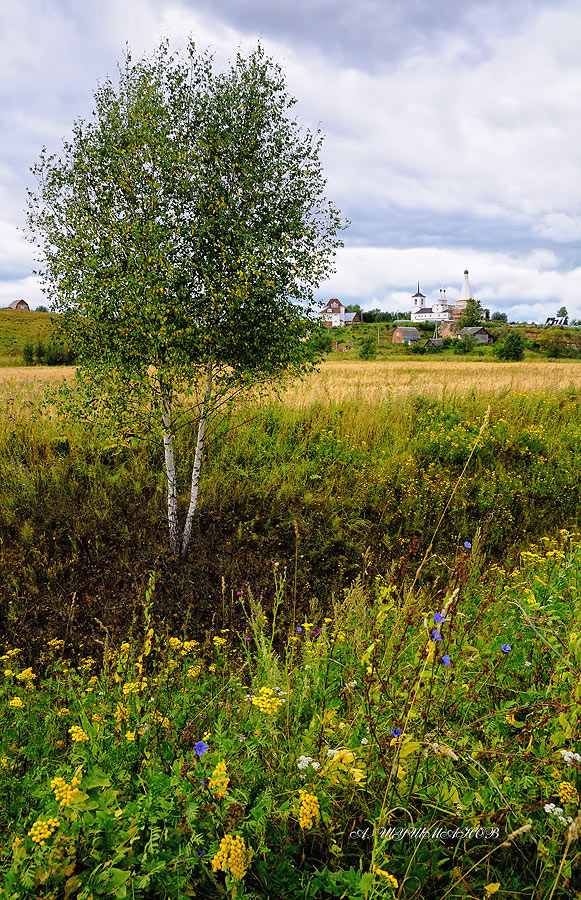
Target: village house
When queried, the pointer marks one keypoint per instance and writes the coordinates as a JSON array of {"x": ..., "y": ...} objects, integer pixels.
[
  {"x": 406, "y": 335},
  {"x": 19, "y": 304},
  {"x": 481, "y": 335},
  {"x": 334, "y": 315}
]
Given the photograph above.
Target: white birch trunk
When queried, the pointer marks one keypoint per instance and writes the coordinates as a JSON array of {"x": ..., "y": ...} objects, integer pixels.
[
  {"x": 197, "y": 462},
  {"x": 170, "y": 471}
]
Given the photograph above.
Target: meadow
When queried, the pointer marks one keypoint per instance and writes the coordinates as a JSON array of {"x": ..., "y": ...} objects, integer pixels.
[{"x": 363, "y": 683}]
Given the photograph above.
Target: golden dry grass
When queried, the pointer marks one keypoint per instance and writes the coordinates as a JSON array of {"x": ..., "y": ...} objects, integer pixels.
[
  {"x": 343, "y": 380},
  {"x": 370, "y": 381},
  {"x": 22, "y": 375}
]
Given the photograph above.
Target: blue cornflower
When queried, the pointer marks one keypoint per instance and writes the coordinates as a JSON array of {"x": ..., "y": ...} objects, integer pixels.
[
  {"x": 201, "y": 852},
  {"x": 439, "y": 618},
  {"x": 397, "y": 732},
  {"x": 201, "y": 747},
  {"x": 299, "y": 628},
  {"x": 436, "y": 636},
  {"x": 446, "y": 659},
  {"x": 506, "y": 648},
  {"x": 468, "y": 545}
]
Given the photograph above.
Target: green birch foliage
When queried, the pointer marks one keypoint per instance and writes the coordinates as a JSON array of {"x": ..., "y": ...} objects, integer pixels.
[
  {"x": 182, "y": 235},
  {"x": 186, "y": 223}
]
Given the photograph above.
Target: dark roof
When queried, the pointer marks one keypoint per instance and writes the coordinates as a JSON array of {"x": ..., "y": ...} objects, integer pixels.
[
  {"x": 424, "y": 309},
  {"x": 409, "y": 332},
  {"x": 473, "y": 329}
]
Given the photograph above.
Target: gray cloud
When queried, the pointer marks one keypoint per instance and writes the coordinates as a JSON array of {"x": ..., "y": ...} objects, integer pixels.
[
  {"x": 374, "y": 34},
  {"x": 452, "y": 127}
]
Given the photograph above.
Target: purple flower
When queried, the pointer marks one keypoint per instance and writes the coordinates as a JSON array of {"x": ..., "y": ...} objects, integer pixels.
[
  {"x": 468, "y": 545},
  {"x": 436, "y": 636},
  {"x": 397, "y": 732},
  {"x": 506, "y": 648},
  {"x": 201, "y": 747},
  {"x": 446, "y": 660},
  {"x": 238, "y": 593},
  {"x": 299, "y": 628},
  {"x": 248, "y": 639},
  {"x": 201, "y": 852},
  {"x": 203, "y": 782},
  {"x": 439, "y": 618}
]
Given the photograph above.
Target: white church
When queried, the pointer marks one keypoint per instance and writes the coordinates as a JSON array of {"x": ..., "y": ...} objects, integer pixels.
[{"x": 440, "y": 310}]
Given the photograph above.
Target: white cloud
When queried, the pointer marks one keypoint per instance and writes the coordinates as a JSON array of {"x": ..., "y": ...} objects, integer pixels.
[
  {"x": 488, "y": 137},
  {"x": 559, "y": 227},
  {"x": 22, "y": 289},
  {"x": 530, "y": 286}
]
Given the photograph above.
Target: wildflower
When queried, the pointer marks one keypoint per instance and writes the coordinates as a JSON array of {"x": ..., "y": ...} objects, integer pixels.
[
  {"x": 77, "y": 734},
  {"x": 232, "y": 856},
  {"x": 364, "y": 741},
  {"x": 468, "y": 545},
  {"x": 219, "y": 781},
  {"x": 8, "y": 673},
  {"x": 391, "y": 879},
  {"x": 26, "y": 675},
  {"x": 569, "y": 757},
  {"x": 266, "y": 701},
  {"x": 212, "y": 668},
  {"x": 63, "y": 792},
  {"x": 304, "y": 762},
  {"x": 193, "y": 671},
  {"x": 397, "y": 732},
  {"x": 16, "y": 702},
  {"x": 200, "y": 748},
  {"x": 567, "y": 793},
  {"x": 506, "y": 648},
  {"x": 308, "y": 810},
  {"x": 42, "y": 830},
  {"x": 439, "y": 618},
  {"x": 299, "y": 628},
  {"x": 129, "y": 735},
  {"x": 446, "y": 659},
  {"x": 436, "y": 636}
]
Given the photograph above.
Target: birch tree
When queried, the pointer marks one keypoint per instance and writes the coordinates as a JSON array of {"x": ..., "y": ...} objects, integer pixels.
[{"x": 181, "y": 234}]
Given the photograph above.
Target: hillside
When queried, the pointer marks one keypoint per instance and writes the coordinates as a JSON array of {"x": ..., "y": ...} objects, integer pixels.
[{"x": 16, "y": 328}]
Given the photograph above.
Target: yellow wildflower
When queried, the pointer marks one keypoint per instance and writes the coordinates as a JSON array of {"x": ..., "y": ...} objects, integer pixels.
[
  {"x": 391, "y": 879},
  {"x": 232, "y": 856},
  {"x": 308, "y": 809},
  {"x": 77, "y": 734},
  {"x": 16, "y": 702},
  {"x": 42, "y": 830},
  {"x": 568, "y": 793},
  {"x": 219, "y": 781}
]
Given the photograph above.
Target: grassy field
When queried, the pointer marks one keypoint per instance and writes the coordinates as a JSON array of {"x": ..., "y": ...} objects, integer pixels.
[
  {"x": 363, "y": 683},
  {"x": 18, "y": 327}
]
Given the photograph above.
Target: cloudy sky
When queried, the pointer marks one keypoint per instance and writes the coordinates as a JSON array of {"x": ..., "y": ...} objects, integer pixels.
[{"x": 452, "y": 129}]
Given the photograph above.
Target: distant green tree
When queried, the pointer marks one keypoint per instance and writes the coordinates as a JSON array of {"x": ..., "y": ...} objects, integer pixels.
[
  {"x": 464, "y": 344},
  {"x": 512, "y": 348},
  {"x": 473, "y": 314},
  {"x": 562, "y": 312},
  {"x": 39, "y": 352},
  {"x": 321, "y": 340},
  {"x": 183, "y": 234},
  {"x": 41, "y": 309},
  {"x": 498, "y": 317},
  {"x": 28, "y": 353},
  {"x": 367, "y": 347}
]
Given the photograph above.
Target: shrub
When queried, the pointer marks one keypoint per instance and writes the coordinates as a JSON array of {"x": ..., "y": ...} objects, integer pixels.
[{"x": 512, "y": 348}]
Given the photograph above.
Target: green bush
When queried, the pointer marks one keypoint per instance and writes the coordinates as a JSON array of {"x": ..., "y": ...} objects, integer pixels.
[{"x": 512, "y": 348}]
